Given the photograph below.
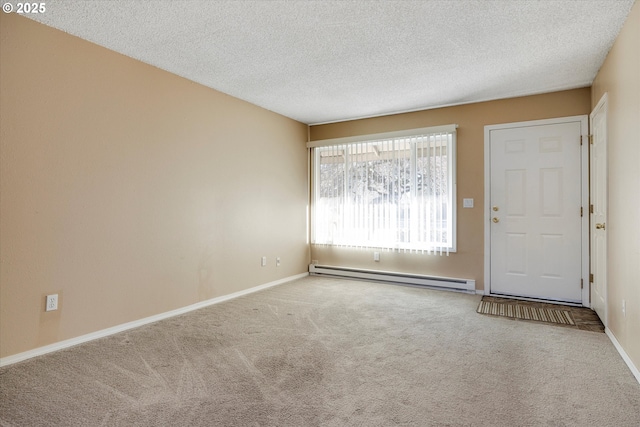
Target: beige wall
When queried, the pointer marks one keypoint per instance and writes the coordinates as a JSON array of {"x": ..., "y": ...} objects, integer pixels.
[
  {"x": 619, "y": 77},
  {"x": 468, "y": 261},
  {"x": 130, "y": 191}
]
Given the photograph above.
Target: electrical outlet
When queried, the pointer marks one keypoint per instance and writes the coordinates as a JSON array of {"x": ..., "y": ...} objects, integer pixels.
[
  {"x": 376, "y": 256},
  {"x": 264, "y": 261},
  {"x": 278, "y": 262},
  {"x": 52, "y": 302}
]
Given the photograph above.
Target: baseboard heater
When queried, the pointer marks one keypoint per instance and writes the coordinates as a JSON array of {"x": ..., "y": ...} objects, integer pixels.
[{"x": 467, "y": 285}]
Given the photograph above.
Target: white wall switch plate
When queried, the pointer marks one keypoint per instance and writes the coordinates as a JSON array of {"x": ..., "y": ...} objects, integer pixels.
[{"x": 263, "y": 262}]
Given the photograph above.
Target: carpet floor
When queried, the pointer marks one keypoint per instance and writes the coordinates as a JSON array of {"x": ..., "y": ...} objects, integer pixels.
[{"x": 329, "y": 352}]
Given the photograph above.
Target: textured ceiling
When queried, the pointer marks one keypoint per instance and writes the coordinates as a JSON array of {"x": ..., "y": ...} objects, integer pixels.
[{"x": 325, "y": 61}]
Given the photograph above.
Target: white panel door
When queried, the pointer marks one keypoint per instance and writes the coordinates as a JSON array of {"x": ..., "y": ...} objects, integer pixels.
[
  {"x": 535, "y": 202},
  {"x": 598, "y": 191}
]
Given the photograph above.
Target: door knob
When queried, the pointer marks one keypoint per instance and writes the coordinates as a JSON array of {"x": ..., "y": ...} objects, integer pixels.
[
  {"x": 600, "y": 226},
  {"x": 495, "y": 220}
]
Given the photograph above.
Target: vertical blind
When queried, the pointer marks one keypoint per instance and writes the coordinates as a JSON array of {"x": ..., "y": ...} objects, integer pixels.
[{"x": 387, "y": 192}]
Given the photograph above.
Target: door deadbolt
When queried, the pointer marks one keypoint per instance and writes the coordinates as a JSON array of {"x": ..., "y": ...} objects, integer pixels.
[{"x": 495, "y": 208}]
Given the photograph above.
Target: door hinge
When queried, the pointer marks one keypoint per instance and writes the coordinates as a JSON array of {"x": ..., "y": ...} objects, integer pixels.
[
  {"x": 581, "y": 211},
  {"x": 591, "y": 139},
  {"x": 590, "y": 277},
  {"x": 590, "y": 208},
  {"x": 581, "y": 283}
]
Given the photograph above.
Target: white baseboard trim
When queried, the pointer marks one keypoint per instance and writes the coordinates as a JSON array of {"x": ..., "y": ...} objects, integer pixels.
[
  {"x": 625, "y": 356},
  {"x": 4, "y": 361}
]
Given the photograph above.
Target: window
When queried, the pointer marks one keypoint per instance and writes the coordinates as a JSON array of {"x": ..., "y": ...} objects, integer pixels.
[{"x": 389, "y": 191}]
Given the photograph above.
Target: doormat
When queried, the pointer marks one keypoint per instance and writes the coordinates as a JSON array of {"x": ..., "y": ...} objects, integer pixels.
[{"x": 526, "y": 311}]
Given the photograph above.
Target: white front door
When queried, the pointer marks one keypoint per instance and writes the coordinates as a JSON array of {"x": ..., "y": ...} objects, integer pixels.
[
  {"x": 535, "y": 206},
  {"x": 598, "y": 208}
]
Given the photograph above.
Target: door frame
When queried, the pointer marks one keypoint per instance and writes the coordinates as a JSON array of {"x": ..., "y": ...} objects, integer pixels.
[
  {"x": 602, "y": 105},
  {"x": 584, "y": 203}
]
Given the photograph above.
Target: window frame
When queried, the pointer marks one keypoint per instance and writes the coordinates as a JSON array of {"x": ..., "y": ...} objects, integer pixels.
[{"x": 403, "y": 134}]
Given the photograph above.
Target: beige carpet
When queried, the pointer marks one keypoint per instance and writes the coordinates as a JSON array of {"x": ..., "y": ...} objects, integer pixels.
[{"x": 329, "y": 352}]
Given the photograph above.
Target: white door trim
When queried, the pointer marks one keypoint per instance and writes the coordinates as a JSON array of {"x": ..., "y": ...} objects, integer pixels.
[
  {"x": 584, "y": 172},
  {"x": 602, "y": 105}
]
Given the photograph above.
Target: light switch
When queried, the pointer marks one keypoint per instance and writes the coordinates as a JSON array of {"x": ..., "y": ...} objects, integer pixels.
[{"x": 467, "y": 203}]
